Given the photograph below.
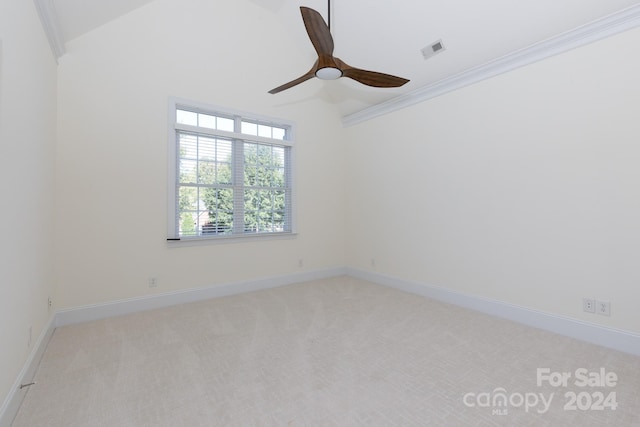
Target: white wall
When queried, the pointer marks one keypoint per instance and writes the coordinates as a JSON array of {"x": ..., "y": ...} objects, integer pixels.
[
  {"x": 524, "y": 188},
  {"x": 27, "y": 146},
  {"x": 114, "y": 85}
]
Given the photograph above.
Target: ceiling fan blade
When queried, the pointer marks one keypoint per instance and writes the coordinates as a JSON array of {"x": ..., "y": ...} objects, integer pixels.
[
  {"x": 370, "y": 78},
  {"x": 318, "y": 31},
  {"x": 310, "y": 74}
]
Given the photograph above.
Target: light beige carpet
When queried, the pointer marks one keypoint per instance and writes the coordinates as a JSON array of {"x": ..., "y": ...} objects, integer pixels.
[{"x": 338, "y": 352}]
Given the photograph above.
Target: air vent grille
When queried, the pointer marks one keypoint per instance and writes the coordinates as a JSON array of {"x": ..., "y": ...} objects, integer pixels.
[{"x": 433, "y": 49}]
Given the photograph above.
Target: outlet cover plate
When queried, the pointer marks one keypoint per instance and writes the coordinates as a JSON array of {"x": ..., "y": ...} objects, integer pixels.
[
  {"x": 603, "y": 308},
  {"x": 589, "y": 305}
]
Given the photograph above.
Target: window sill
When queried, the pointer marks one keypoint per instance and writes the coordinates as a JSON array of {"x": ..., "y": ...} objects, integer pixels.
[{"x": 214, "y": 240}]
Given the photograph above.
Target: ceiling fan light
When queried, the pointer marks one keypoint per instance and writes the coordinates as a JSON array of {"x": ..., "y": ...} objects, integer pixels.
[{"x": 328, "y": 73}]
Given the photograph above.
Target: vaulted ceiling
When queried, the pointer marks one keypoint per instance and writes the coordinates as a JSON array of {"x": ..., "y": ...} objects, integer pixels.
[{"x": 389, "y": 36}]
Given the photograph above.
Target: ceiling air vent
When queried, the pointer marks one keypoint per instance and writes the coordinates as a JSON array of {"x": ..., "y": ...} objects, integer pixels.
[{"x": 434, "y": 48}]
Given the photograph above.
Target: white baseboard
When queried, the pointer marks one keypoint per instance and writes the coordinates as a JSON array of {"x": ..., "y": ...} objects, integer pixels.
[
  {"x": 13, "y": 400},
  {"x": 616, "y": 339},
  {"x": 134, "y": 305}
]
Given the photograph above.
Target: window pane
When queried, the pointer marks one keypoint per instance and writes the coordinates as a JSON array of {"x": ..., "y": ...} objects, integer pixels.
[
  {"x": 226, "y": 219},
  {"x": 224, "y": 151},
  {"x": 206, "y": 173},
  {"x": 219, "y": 205},
  {"x": 224, "y": 174},
  {"x": 188, "y": 146},
  {"x": 264, "y": 131},
  {"x": 264, "y": 155},
  {"x": 279, "y": 200},
  {"x": 262, "y": 178},
  {"x": 277, "y": 177},
  {"x": 206, "y": 148},
  {"x": 278, "y": 222},
  {"x": 278, "y": 156},
  {"x": 250, "y": 176},
  {"x": 266, "y": 201},
  {"x": 278, "y": 133},
  {"x": 206, "y": 121},
  {"x": 188, "y": 198},
  {"x": 249, "y": 128},
  {"x": 251, "y": 200},
  {"x": 264, "y": 165},
  {"x": 225, "y": 124},
  {"x": 225, "y": 200},
  {"x": 188, "y": 224},
  {"x": 187, "y": 118},
  {"x": 201, "y": 218},
  {"x": 250, "y": 153},
  {"x": 188, "y": 171},
  {"x": 260, "y": 211}
]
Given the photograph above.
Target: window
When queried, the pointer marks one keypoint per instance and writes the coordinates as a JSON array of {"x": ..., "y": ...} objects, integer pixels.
[{"x": 230, "y": 174}]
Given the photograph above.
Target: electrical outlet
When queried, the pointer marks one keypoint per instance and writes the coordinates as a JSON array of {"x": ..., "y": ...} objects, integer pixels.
[
  {"x": 49, "y": 303},
  {"x": 373, "y": 263},
  {"x": 153, "y": 282},
  {"x": 300, "y": 262},
  {"x": 603, "y": 308},
  {"x": 589, "y": 305}
]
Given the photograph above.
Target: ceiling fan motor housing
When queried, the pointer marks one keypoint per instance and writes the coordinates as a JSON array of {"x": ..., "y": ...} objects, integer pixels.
[{"x": 327, "y": 69}]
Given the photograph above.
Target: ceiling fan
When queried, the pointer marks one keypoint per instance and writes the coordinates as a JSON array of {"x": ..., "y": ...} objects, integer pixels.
[{"x": 327, "y": 66}]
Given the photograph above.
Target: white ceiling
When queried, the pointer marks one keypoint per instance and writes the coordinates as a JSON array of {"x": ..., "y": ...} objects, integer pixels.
[
  {"x": 388, "y": 36},
  {"x": 77, "y": 17}
]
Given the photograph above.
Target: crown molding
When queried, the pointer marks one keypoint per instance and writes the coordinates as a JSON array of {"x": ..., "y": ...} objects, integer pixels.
[
  {"x": 615, "y": 23},
  {"x": 49, "y": 20}
]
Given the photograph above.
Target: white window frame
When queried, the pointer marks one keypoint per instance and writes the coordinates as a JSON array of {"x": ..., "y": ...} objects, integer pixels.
[{"x": 175, "y": 104}]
